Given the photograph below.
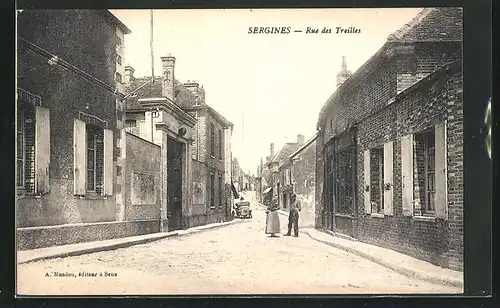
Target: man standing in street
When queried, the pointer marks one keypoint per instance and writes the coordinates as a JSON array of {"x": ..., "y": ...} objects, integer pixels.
[{"x": 293, "y": 217}]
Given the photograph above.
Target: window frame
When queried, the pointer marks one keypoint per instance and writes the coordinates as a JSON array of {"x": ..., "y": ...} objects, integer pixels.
[
  {"x": 94, "y": 150},
  {"x": 21, "y": 183},
  {"x": 220, "y": 145},
  {"x": 378, "y": 154},
  {"x": 429, "y": 145},
  {"x": 116, "y": 77},
  {"x": 221, "y": 197},
  {"x": 119, "y": 60},
  {"x": 212, "y": 140},
  {"x": 212, "y": 190}
]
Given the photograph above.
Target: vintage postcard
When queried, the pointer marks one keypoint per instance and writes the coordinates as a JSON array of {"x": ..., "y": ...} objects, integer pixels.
[{"x": 239, "y": 151}]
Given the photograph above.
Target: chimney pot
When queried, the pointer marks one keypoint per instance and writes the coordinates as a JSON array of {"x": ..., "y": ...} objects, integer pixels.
[
  {"x": 300, "y": 139},
  {"x": 129, "y": 74}
]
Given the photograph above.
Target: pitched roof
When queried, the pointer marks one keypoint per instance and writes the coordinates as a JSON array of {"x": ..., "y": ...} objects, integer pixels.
[
  {"x": 183, "y": 97},
  {"x": 282, "y": 155},
  {"x": 117, "y": 21},
  {"x": 430, "y": 25}
]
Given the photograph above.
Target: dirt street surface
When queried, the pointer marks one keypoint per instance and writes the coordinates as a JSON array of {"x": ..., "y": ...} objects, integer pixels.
[{"x": 237, "y": 259}]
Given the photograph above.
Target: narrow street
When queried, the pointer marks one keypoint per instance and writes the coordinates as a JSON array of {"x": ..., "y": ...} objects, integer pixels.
[{"x": 237, "y": 259}]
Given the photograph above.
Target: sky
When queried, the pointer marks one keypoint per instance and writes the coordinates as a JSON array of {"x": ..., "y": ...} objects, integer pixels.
[{"x": 270, "y": 86}]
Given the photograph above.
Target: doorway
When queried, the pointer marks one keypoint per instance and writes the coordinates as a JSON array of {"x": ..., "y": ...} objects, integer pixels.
[{"x": 175, "y": 150}]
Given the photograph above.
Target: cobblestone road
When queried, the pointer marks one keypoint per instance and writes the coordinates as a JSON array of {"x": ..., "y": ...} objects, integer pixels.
[{"x": 237, "y": 259}]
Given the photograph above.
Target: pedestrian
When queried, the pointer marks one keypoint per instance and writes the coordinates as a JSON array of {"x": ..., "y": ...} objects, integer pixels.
[
  {"x": 272, "y": 219},
  {"x": 293, "y": 217}
]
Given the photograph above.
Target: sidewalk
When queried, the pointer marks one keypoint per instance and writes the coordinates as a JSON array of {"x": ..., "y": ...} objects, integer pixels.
[
  {"x": 89, "y": 247},
  {"x": 398, "y": 262}
]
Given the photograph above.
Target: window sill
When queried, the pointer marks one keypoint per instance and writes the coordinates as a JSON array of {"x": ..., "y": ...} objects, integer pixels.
[
  {"x": 424, "y": 218},
  {"x": 93, "y": 196},
  {"x": 377, "y": 215},
  {"x": 212, "y": 157}
]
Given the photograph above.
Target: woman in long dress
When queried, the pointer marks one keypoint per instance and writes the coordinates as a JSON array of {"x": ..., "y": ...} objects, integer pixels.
[{"x": 272, "y": 219}]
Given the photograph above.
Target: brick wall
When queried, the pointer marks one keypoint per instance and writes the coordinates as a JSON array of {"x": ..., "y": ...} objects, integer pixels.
[
  {"x": 437, "y": 241},
  {"x": 366, "y": 100}
]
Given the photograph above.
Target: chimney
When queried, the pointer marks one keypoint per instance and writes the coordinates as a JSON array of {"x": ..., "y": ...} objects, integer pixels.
[
  {"x": 272, "y": 150},
  {"x": 344, "y": 74},
  {"x": 129, "y": 74},
  {"x": 198, "y": 91},
  {"x": 300, "y": 139},
  {"x": 167, "y": 82}
]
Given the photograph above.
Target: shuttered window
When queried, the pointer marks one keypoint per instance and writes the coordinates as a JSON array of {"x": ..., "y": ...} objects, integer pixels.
[
  {"x": 93, "y": 159},
  {"x": 33, "y": 149},
  {"x": 212, "y": 190},
  {"x": 220, "y": 144},
  {"x": 212, "y": 140}
]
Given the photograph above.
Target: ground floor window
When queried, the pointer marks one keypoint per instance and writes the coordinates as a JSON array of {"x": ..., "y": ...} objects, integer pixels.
[
  {"x": 377, "y": 179},
  {"x": 424, "y": 150},
  {"x": 212, "y": 190},
  {"x": 345, "y": 182},
  {"x": 221, "y": 187},
  {"x": 25, "y": 160},
  {"x": 95, "y": 158}
]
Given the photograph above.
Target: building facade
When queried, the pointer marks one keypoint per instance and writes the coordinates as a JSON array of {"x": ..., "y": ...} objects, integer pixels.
[
  {"x": 303, "y": 175},
  {"x": 389, "y": 148},
  {"x": 280, "y": 168},
  {"x": 206, "y": 140},
  {"x": 67, "y": 133}
]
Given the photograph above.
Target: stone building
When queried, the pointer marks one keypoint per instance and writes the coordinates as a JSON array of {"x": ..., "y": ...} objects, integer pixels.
[
  {"x": 199, "y": 145},
  {"x": 389, "y": 149},
  {"x": 67, "y": 133},
  {"x": 303, "y": 174},
  {"x": 281, "y": 169}
]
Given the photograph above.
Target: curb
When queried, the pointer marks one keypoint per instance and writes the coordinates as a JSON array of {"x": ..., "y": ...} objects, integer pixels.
[
  {"x": 404, "y": 271},
  {"x": 127, "y": 243}
]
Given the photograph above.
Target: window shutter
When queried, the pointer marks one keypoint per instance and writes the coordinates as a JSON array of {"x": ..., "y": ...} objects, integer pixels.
[
  {"x": 80, "y": 157},
  {"x": 42, "y": 150},
  {"x": 108, "y": 163},
  {"x": 388, "y": 178},
  {"x": 440, "y": 196},
  {"x": 368, "y": 206},
  {"x": 407, "y": 173}
]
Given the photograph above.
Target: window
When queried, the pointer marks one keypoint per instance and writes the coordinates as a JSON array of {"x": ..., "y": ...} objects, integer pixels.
[
  {"x": 221, "y": 198},
  {"x": 344, "y": 184},
  {"x": 212, "y": 190},
  {"x": 425, "y": 161},
  {"x": 220, "y": 144},
  {"x": 377, "y": 179},
  {"x": 118, "y": 77},
  {"x": 32, "y": 119},
  {"x": 285, "y": 201},
  {"x": 26, "y": 149},
  {"x": 212, "y": 140},
  {"x": 118, "y": 40},
  {"x": 119, "y": 60},
  {"x": 425, "y": 178},
  {"x": 95, "y": 157}
]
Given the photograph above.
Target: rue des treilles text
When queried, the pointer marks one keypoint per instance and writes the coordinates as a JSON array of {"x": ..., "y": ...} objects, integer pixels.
[{"x": 306, "y": 30}]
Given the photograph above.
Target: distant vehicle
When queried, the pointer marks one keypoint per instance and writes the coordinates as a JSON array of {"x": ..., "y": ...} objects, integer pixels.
[{"x": 242, "y": 209}]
